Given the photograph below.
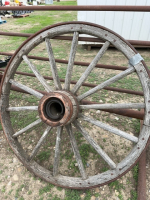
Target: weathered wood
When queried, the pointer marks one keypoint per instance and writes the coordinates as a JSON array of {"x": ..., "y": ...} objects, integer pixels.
[
  {"x": 37, "y": 74},
  {"x": 26, "y": 88},
  {"x": 27, "y": 128},
  {"x": 53, "y": 65},
  {"x": 137, "y": 149},
  {"x": 110, "y": 128},
  {"x": 71, "y": 60},
  {"x": 91, "y": 67},
  {"x": 113, "y": 106},
  {"x": 41, "y": 171},
  {"x": 40, "y": 142},
  {"x": 57, "y": 151},
  {"x": 145, "y": 81},
  {"x": 22, "y": 108},
  {"x": 106, "y": 83},
  {"x": 76, "y": 151},
  {"x": 95, "y": 145}
]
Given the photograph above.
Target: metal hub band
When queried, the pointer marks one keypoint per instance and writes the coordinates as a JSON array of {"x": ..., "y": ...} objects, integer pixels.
[{"x": 58, "y": 108}]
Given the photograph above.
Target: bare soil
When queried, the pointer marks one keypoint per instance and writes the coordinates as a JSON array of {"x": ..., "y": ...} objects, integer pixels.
[{"x": 18, "y": 183}]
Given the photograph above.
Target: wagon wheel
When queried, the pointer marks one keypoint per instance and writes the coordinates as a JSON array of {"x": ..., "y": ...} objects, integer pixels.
[{"x": 62, "y": 106}]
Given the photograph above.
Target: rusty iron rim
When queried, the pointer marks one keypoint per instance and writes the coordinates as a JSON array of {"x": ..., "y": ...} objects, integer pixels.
[{"x": 46, "y": 175}]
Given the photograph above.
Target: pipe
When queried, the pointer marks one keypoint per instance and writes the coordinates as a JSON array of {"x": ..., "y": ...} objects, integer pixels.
[
  {"x": 124, "y": 112},
  {"x": 87, "y": 39},
  {"x": 75, "y": 63},
  {"x": 80, "y": 8},
  {"x": 15, "y": 34},
  {"x": 141, "y": 188},
  {"x": 140, "y": 93}
]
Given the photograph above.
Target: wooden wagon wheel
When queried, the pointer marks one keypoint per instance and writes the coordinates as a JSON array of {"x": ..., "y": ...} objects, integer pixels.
[{"x": 61, "y": 107}]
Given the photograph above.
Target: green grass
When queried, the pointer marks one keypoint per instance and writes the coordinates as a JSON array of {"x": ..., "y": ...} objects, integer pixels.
[
  {"x": 41, "y": 19},
  {"x": 37, "y": 21},
  {"x": 116, "y": 185},
  {"x": 135, "y": 170},
  {"x": 31, "y": 24},
  {"x": 46, "y": 189},
  {"x": 44, "y": 155},
  {"x": 72, "y": 194},
  {"x": 134, "y": 195},
  {"x": 19, "y": 190}
]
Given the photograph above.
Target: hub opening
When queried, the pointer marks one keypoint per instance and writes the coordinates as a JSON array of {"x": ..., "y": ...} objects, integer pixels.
[{"x": 54, "y": 109}]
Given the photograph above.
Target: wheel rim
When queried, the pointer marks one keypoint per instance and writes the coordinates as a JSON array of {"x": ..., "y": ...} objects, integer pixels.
[{"x": 73, "y": 103}]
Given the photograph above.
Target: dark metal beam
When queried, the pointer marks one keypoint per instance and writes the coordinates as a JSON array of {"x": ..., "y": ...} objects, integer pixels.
[
  {"x": 140, "y": 93},
  {"x": 80, "y": 8},
  {"x": 75, "y": 63},
  {"x": 87, "y": 39}
]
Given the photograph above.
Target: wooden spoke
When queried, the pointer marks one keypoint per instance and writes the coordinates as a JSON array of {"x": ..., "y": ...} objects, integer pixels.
[
  {"x": 53, "y": 64},
  {"x": 114, "y": 106},
  {"x": 71, "y": 60},
  {"x": 64, "y": 104},
  {"x": 26, "y": 88},
  {"x": 90, "y": 67},
  {"x": 37, "y": 74},
  {"x": 22, "y": 108},
  {"x": 106, "y": 83},
  {"x": 76, "y": 151},
  {"x": 40, "y": 142},
  {"x": 27, "y": 128},
  {"x": 95, "y": 145},
  {"x": 57, "y": 151},
  {"x": 110, "y": 128}
]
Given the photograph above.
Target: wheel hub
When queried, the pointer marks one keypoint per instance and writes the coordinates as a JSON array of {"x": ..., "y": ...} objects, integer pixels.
[
  {"x": 54, "y": 109},
  {"x": 58, "y": 108}
]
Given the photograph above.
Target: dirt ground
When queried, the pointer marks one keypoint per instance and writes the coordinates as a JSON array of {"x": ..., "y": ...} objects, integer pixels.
[{"x": 17, "y": 183}]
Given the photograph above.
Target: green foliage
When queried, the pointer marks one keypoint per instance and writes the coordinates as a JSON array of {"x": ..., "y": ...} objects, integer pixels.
[
  {"x": 136, "y": 125},
  {"x": 21, "y": 198},
  {"x": 67, "y": 155},
  {"x": 85, "y": 150},
  {"x": 30, "y": 192},
  {"x": 55, "y": 198},
  {"x": 134, "y": 195},
  {"x": 116, "y": 185},
  {"x": 104, "y": 169},
  {"x": 43, "y": 155},
  {"x": 10, "y": 192},
  {"x": 46, "y": 189},
  {"x": 42, "y": 19},
  {"x": 59, "y": 188},
  {"x": 19, "y": 190},
  {"x": 79, "y": 137},
  {"x": 135, "y": 173},
  {"x": 120, "y": 196},
  {"x": 88, "y": 195},
  {"x": 62, "y": 72},
  {"x": 128, "y": 83},
  {"x": 72, "y": 194},
  {"x": 3, "y": 189},
  {"x": 26, "y": 118},
  {"x": 1, "y": 127}
]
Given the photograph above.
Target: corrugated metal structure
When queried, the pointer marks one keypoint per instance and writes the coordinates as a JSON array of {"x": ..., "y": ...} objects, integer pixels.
[{"x": 130, "y": 25}]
